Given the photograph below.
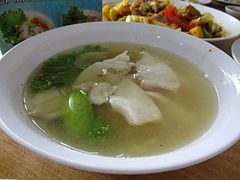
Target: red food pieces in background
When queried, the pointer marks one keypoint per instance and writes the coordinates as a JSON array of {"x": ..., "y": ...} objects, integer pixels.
[{"x": 171, "y": 14}]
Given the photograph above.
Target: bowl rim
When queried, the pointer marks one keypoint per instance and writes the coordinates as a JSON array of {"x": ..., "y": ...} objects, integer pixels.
[{"x": 115, "y": 169}]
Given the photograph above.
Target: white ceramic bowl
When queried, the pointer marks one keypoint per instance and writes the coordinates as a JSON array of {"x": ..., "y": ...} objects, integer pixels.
[
  {"x": 17, "y": 64},
  {"x": 233, "y": 10}
]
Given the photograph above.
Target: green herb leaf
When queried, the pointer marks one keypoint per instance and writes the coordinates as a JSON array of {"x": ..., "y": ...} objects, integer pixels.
[
  {"x": 73, "y": 16},
  {"x": 10, "y": 25},
  {"x": 56, "y": 72},
  {"x": 61, "y": 70},
  {"x": 100, "y": 127}
]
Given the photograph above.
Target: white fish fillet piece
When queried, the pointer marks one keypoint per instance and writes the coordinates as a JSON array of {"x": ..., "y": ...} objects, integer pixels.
[
  {"x": 100, "y": 92},
  {"x": 134, "y": 104},
  {"x": 154, "y": 74},
  {"x": 110, "y": 70}
]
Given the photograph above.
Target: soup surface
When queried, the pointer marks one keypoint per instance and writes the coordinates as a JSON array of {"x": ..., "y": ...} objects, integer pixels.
[{"x": 183, "y": 106}]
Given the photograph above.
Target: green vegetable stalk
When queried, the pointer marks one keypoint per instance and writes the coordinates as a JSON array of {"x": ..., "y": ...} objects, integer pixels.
[
  {"x": 78, "y": 114},
  {"x": 79, "y": 118}
]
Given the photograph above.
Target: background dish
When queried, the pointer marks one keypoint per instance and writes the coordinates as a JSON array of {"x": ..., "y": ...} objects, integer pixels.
[
  {"x": 227, "y": 2},
  {"x": 203, "y": 2},
  {"x": 205, "y": 56},
  {"x": 236, "y": 50},
  {"x": 229, "y": 23},
  {"x": 233, "y": 10},
  {"x": 44, "y": 18}
]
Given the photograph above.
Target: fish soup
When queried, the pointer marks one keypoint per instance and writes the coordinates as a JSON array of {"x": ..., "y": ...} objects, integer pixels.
[{"x": 121, "y": 100}]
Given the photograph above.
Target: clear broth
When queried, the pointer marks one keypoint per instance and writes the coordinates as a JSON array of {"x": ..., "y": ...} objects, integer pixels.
[{"x": 190, "y": 116}]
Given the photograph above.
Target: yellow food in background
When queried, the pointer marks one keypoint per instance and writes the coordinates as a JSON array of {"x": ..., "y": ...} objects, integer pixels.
[
  {"x": 122, "y": 8},
  {"x": 197, "y": 31},
  {"x": 106, "y": 12},
  {"x": 113, "y": 14},
  {"x": 122, "y": 18},
  {"x": 186, "y": 19}
]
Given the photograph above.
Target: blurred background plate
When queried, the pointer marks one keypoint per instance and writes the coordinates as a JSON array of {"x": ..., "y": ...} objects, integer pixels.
[
  {"x": 236, "y": 50},
  {"x": 228, "y": 2},
  {"x": 233, "y": 10},
  {"x": 203, "y": 2},
  {"x": 228, "y": 22}
]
